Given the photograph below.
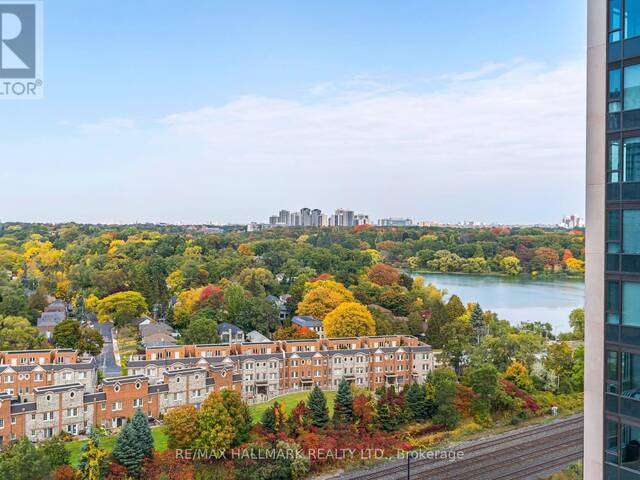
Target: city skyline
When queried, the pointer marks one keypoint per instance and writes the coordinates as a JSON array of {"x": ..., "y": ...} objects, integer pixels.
[{"x": 262, "y": 122}]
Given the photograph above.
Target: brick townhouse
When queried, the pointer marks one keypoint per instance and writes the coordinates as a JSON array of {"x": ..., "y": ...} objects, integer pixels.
[
  {"x": 267, "y": 369},
  {"x": 44, "y": 392}
]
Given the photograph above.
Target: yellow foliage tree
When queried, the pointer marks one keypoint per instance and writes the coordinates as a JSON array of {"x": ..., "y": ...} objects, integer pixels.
[
  {"x": 575, "y": 265},
  {"x": 245, "y": 249},
  {"x": 322, "y": 297},
  {"x": 349, "y": 319},
  {"x": 517, "y": 373}
]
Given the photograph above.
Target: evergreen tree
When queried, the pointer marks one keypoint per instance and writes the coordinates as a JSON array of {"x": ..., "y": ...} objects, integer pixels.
[
  {"x": 343, "y": 405},
  {"x": 128, "y": 452},
  {"x": 143, "y": 435},
  {"x": 390, "y": 410},
  {"x": 268, "y": 420},
  {"x": 318, "y": 411},
  {"x": 455, "y": 308},
  {"x": 436, "y": 321},
  {"x": 416, "y": 401},
  {"x": 477, "y": 323}
]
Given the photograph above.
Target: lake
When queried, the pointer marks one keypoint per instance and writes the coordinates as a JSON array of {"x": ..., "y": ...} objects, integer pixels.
[{"x": 517, "y": 299}]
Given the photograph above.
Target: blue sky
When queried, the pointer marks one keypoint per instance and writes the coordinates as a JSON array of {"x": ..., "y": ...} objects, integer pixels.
[{"x": 198, "y": 111}]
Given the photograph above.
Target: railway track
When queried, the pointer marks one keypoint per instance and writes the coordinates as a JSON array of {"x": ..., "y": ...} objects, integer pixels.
[{"x": 519, "y": 454}]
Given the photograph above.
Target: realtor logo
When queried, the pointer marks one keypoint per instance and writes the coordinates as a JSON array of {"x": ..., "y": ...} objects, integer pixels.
[{"x": 20, "y": 49}]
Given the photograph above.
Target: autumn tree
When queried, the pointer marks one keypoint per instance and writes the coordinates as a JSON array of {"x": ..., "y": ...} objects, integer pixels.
[
  {"x": 215, "y": 427},
  {"x": 294, "y": 332},
  {"x": 349, "y": 320},
  {"x": 274, "y": 418},
  {"x": 240, "y": 416},
  {"x": 455, "y": 308},
  {"x": 383, "y": 274},
  {"x": 323, "y": 297},
  {"x": 181, "y": 426},
  {"x": 121, "y": 307},
  {"x": 94, "y": 460},
  {"x": 517, "y": 373}
]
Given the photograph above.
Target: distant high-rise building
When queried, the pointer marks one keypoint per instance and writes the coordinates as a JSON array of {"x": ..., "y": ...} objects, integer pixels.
[
  {"x": 316, "y": 215},
  {"x": 361, "y": 219},
  {"x": 343, "y": 218},
  {"x": 395, "y": 222},
  {"x": 283, "y": 217},
  {"x": 305, "y": 217}
]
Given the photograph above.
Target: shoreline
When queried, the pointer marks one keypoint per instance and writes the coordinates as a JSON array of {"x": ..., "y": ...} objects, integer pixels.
[{"x": 520, "y": 276}]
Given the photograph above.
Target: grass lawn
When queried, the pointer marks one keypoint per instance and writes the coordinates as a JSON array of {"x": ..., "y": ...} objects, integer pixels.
[
  {"x": 290, "y": 401},
  {"x": 159, "y": 442},
  {"x": 160, "y": 439}
]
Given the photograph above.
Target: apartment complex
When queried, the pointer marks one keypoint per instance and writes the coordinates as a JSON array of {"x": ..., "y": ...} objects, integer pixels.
[
  {"x": 315, "y": 218},
  {"x": 271, "y": 368},
  {"x": 612, "y": 337},
  {"x": 44, "y": 392}
]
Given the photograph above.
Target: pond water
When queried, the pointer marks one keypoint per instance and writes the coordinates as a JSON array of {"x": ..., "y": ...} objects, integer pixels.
[{"x": 517, "y": 299}]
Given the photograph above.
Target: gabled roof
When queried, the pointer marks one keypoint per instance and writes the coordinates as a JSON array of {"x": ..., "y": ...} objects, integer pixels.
[
  {"x": 306, "y": 321},
  {"x": 224, "y": 327}
]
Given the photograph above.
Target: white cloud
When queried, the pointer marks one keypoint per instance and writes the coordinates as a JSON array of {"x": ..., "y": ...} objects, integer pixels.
[
  {"x": 106, "y": 125},
  {"x": 513, "y": 130},
  {"x": 502, "y": 143}
]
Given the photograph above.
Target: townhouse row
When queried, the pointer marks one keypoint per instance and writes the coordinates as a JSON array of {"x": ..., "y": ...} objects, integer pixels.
[
  {"x": 46, "y": 392},
  {"x": 268, "y": 369}
]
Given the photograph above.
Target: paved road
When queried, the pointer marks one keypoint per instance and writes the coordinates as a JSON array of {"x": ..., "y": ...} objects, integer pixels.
[
  {"x": 107, "y": 360},
  {"x": 524, "y": 454}
]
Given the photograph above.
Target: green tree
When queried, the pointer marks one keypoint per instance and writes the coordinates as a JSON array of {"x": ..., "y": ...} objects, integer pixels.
[
  {"x": 17, "y": 333},
  {"x": 416, "y": 401},
  {"x": 13, "y": 301},
  {"x": 318, "y": 410},
  {"x": 435, "y": 323},
  {"x": 56, "y": 451},
  {"x": 240, "y": 416},
  {"x": 200, "y": 330},
  {"x": 127, "y": 452},
  {"x": 457, "y": 335},
  {"x": 478, "y": 324},
  {"x": 91, "y": 341},
  {"x": 484, "y": 381},
  {"x": 23, "y": 461},
  {"x": 444, "y": 382},
  {"x": 343, "y": 404},
  {"x": 67, "y": 334},
  {"x": 576, "y": 321},
  {"x": 142, "y": 432},
  {"x": 455, "y": 308}
]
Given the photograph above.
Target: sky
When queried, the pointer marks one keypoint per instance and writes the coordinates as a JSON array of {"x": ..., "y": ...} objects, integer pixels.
[{"x": 203, "y": 111}]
